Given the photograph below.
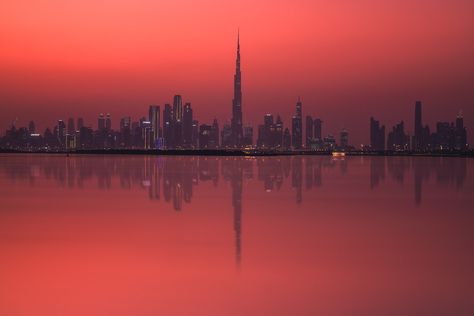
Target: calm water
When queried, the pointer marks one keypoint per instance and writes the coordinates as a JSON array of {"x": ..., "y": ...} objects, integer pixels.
[{"x": 137, "y": 235}]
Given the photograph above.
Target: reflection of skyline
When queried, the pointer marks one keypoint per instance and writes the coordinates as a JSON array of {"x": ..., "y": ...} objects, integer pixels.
[
  {"x": 447, "y": 172},
  {"x": 174, "y": 178}
]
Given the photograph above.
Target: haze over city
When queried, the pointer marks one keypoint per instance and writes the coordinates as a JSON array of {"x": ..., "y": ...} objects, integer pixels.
[{"x": 347, "y": 61}]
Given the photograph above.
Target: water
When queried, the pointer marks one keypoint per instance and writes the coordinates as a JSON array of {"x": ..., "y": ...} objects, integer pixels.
[{"x": 140, "y": 235}]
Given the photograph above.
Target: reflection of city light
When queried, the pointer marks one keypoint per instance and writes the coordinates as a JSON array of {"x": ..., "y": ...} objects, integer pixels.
[
  {"x": 268, "y": 190},
  {"x": 146, "y": 183}
]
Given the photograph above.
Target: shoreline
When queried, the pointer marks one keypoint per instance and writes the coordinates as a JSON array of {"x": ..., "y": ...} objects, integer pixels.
[{"x": 247, "y": 153}]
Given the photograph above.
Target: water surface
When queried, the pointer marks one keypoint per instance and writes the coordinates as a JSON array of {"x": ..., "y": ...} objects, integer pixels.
[{"x": 147, "y": 235}]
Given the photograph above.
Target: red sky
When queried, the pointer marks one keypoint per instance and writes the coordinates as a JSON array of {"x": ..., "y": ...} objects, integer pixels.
[{"x": 348, "y": 60}]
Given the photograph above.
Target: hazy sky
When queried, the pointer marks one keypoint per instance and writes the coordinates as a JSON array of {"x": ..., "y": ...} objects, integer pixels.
[{"x": 347, "y": 60}]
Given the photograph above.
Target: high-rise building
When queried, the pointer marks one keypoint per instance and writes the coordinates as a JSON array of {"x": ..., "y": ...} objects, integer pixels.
[
  {"x": 397, "y": 139},
  {"x": 286, "y": 139},
  {"x": 178, "y": 108},
  {"x": 125, "y": 132},
  {"x": 61, "y": 133},
  {"x": 344, "y": 139},
  {"x": 226, "y": 136},
  {"x": 421, "y": 139},
  {"x": 70, "y": 126},
  {"x": 460, "y": 141},
  {"x": 31, "y": 127},
  {"x": 236, "y": 123},
  {"x": 278, "y": 133},
  {"x": 318, "y": 126},
  {"x": 248, "y": 136},
  {"x": 195, "y": 134},
  {"x": 188, "y": 125},
  {"x": 108, "y": 122},
  {"x": 309, "y": 131},
  {"x": 377, "y": 135},
  {"x": 101, "y": 122},
  {"x": 297, "y": 127},
  {"x": 154, "y": 118},
  {"x": 168, "y": 126}
]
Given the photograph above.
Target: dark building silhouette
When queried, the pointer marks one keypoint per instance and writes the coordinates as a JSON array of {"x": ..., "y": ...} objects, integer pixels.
[
  {"x": 418, "y": 137},
  {"x": 195, "y": 134},
  {"x": 226, "y": 136},
  {"x": 168, "y": 126},
  {"x": 108, "y": 122},
  {"x": 297, "y": 127},
  {"x": 101, "y": 122},
  {"x": 397, "y": 139},
  {"x": 154, "y": 118},
  {"x": 460, "y": 137},
  {"x": 377, "y": 135},
  {"x": 286, "y": 139},
  {"x": 236, "y": 123},
  {"x": 188, "y": 126},
  {"x": 209, "y": 136},
  {"x": 344, "y": 139},
  {"x": 248, "y": 136}
]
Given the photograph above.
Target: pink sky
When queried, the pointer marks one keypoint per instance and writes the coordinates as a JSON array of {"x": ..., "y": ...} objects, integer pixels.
[{"x": 347, "y": 60}]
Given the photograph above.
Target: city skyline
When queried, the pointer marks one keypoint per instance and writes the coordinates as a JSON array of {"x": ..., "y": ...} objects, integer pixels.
[
  {"x": 176, "y": 127},
  {"x": 346, "y": 61}
]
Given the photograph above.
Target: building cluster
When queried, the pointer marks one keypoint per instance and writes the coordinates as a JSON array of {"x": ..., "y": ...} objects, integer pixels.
[
  {"x": 174, "y": 127},
  {"x": 449, "y": 136}
]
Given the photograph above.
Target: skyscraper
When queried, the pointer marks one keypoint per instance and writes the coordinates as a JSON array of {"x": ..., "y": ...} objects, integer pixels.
[
  {"x": 154, "y": 117},
  {"x": 297, "y": 127},
  {"x": 101, "y": 122},
  {"x": 108, "y": 122},
  {"x": 318, "y": 128},
  {"x": 344, "y": 139},
  {"x": 178, "y": 108},
  {"x": 70, "y": 126},
  {"x": 168, "y": 126},
  {"x": 177, "y": 121},
  {"x": 188, "y": 125},
  {"x": 418, "y": 137},
  {"x": 236, "y": 123},
  {"x": 377, "y": 135}
]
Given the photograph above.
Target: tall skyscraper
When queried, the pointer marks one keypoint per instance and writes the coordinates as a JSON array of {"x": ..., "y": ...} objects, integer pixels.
[
  {"x": 236, "y": 123},
  {"x": 70, "y": 126},
  {"x": 61, "y": 133},
  {"x": 108, "y": 122},
  {"x": 178, "y": 108},
  {"x": 177, "y": 121},
  {"x": 297, "y": 127},
  {"x": 101, "y": 122},
  {"x": 344, "y": 139},
  {"x": 168, "y": 126},
  {"x": 188, "y": 125},
  {"x": 377, "y": 135},
  {"x": 418, "y": 137},
  {"x": 154, "y": 118},
  {"x": 318, "y": 128}
]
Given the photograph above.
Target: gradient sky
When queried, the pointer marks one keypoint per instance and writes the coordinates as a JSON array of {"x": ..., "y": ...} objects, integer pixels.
[{"x": 347, "y": 60}]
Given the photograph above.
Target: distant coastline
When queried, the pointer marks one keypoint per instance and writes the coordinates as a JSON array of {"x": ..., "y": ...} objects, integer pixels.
[{"x": 236, "y": 152}]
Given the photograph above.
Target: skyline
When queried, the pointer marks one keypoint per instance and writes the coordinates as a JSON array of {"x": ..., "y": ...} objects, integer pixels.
[
  {"x": 347, "y": 61},
  {"x": 177, "y": 128}
]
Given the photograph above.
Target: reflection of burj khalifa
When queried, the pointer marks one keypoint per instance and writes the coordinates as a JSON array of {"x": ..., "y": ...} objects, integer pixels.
[{"x": 233, "y": 171}]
